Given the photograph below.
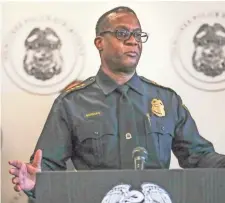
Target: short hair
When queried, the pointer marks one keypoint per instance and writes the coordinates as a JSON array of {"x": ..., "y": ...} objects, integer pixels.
[{"x": 103, "y": 20}]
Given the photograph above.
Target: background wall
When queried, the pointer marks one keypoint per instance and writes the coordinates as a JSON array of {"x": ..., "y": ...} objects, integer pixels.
[{"x": 25, "y": 108}]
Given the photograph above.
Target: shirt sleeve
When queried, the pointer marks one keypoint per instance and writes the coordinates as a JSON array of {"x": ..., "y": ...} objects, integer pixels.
[
  {"x": 190, "y": 148},
  {"x": 55, "y": 140}
]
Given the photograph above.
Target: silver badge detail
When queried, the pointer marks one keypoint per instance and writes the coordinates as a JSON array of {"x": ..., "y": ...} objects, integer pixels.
[
  {"x": 198, "y": 51},
  {"x": 43, "y": 58},
  {"x": 209, "y": 54},
  {"x": 43, "y": 54}
]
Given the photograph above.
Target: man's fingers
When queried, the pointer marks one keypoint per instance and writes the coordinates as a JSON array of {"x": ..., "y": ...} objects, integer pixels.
[
  {"x": 17, "y": 188},
  {"x": 16, "y": 163},
  {"x": 15, "y": 180},
  {"x": 37, "y": 159},
  {"x": 14, "y": 171}
]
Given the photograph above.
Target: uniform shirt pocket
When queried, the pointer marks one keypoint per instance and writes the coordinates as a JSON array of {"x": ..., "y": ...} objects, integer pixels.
[
  {"x": 162, "y": 133},
  {"x": 94, "y": 140}
]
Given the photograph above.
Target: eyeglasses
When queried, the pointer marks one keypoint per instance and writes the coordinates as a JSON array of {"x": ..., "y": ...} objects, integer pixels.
[{"x": 125, "y": 35}]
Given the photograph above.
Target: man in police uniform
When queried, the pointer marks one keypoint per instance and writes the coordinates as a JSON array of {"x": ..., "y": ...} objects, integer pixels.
[{"x": 100, "y": 121}]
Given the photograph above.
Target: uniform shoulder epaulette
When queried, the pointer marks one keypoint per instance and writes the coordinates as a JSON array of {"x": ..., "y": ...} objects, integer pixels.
[
  {"x": 72, "y": 85},
  {"x": 78, "y": 86},
  {"x": 155, "y": 83}
]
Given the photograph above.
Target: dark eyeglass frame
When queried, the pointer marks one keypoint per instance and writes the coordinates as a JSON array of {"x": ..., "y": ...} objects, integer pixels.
[{"x": 134, "y": 33}]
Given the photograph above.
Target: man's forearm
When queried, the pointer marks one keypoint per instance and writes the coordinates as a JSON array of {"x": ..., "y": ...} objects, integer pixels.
[{"x": 212, "y": 160}]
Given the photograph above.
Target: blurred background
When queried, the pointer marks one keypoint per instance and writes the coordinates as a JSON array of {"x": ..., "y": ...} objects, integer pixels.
[{"x": 185, "y": 51}]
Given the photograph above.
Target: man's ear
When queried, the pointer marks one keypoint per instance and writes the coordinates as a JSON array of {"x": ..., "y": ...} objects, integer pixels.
[{"x": 99, "y": 42}]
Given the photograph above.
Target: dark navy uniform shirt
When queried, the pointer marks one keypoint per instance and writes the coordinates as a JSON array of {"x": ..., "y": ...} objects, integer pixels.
[{"x": 83, "y": 125}]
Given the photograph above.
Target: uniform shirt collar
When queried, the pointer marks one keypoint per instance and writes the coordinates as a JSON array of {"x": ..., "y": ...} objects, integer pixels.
[{"x": 108, "y": 85}]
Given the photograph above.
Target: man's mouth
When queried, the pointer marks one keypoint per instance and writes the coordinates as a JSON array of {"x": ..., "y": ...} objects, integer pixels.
[{"x": 131, "y": 53}]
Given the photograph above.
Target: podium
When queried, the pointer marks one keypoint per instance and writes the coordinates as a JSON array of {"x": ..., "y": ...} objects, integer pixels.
[{"x": 131, "y": 186}]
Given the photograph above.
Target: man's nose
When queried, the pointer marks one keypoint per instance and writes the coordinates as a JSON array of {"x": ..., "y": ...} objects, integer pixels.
[{"x": 131, "y": 41}]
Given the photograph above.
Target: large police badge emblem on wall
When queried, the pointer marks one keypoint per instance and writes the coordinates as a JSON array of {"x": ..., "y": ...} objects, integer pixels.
[
  {"x": 198, "y": 51},
  {"x": 42, "y": 55},
  {"x": 149, "y": 193}
]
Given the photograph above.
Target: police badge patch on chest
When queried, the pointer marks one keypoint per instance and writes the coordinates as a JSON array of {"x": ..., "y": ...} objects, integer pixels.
[{"x": 157, "y": 107}]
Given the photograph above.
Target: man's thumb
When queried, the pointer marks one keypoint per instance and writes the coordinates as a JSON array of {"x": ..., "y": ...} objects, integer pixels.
[{"x": 37, "y": 159}]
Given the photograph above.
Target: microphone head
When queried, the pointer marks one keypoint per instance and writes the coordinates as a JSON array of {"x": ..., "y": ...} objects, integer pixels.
[{"x": 140, "y": 152}]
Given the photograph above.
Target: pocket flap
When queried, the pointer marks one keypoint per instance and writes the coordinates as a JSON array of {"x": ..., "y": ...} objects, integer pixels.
[
  {"x": 93, "y": 130},
  {"x": 160, "y": 126}
]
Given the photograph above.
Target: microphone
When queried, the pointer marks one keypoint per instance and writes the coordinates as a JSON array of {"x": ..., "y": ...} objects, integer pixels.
[{"x": 139, "y": 156}]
